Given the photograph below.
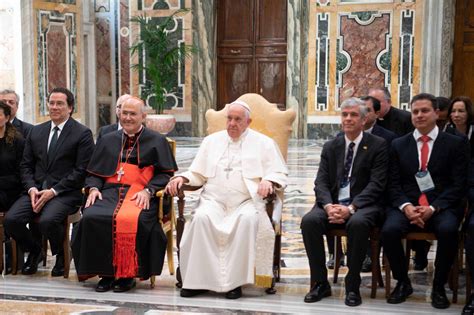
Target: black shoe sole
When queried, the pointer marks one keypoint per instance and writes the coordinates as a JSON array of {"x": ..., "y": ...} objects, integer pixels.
[
  {"x": 389, "y": 301},
  {"x": 327, "y": 294},
  {"x": 125, "y": 289},
  {"x": 191, "y": 293},
  {"x": 58, "y": 273}
]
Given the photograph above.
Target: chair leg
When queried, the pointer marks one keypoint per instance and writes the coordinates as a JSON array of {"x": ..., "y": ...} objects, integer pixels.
[
  {"x": 408, "y": 245},
  {"x": 337, "y": 257},
  {"x": 44, "y": 249},
  {"x": 169, "y": 251},
  {"x": 277, "y": 258},
  {"x": 14, "y": 257},
  {"x": 468, "y": 281},
  {"x": 66, "y": 250},
  {"x": 376, "y": 273}
]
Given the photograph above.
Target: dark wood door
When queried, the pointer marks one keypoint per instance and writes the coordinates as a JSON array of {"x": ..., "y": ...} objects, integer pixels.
[
  {"x": 251, "y": 50},
  {"x": 463, "y": 65}
]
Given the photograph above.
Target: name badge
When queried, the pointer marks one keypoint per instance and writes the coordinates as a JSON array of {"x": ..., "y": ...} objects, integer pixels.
[
  {"x": 424, "y": 181},
  {"x": 344, "y": 192}
]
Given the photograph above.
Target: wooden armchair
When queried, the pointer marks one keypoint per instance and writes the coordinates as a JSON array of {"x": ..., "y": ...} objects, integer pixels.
[
  {"x": 167, "y": 221},
  {"x": 266, "y": 119}
]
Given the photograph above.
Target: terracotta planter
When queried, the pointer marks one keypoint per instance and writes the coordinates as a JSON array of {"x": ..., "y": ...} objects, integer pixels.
[{"x": 163, "y": 124}]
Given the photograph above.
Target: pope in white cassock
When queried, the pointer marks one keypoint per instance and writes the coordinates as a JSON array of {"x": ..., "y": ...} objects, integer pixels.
[{"x": 230, "y": 240}]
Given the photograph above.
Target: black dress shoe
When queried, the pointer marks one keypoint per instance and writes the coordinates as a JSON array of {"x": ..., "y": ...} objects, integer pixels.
[
  {"x": 31, "y": 265},
  {"x": 400, "y": 293},
  {"x": 105, "y": 284},
  {"x": 469, "y": 307},
  {"x": 439, "y": 298},
  {"x": 318, "y": 291},
  {"x": 58, "y": 269},
  {"x": 353, "y": 299},
  {"x": 367, "y": 264},
  {"x": 191, "y": 293},
  {"x": 234, "y": 294},
  {"x": 124, "y": 284}
]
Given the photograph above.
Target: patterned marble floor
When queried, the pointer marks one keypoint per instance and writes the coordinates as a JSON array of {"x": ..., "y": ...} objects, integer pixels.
[{"x": 41, "y": 294}]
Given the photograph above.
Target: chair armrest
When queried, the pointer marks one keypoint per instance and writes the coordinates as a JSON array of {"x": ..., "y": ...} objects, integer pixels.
[{"x": 269, "y": 205}]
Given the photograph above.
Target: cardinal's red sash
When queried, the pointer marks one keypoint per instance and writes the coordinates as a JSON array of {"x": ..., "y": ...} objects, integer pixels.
[{"x": 125, "y": 221}]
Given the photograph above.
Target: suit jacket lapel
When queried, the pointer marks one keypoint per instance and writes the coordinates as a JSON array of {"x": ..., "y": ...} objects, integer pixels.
[
  {"x": 62, "y": 136},
  {"x": 43, "y": 143},
  {"x": 340, "y": 151},
  {"x": 412, "y": 154},
  {"x": 360, "y": 156},
  {"x": 438, "y": 145}
]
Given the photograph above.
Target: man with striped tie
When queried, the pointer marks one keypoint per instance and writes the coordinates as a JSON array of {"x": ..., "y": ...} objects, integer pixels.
[{"x": 349, "y": 185}]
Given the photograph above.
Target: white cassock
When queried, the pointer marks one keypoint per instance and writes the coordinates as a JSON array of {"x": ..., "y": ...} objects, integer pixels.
[{"x": 230, "y": 240}]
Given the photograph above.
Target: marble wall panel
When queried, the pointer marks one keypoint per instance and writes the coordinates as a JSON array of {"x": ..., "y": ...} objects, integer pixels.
[
  {"x": 160, "y": 4},
  {"x": 104, "y": 114},
  {"x": 203, "y": 72},
  {"x": 363, "y": 40},
  {"x": 102, "y": 5},
  {"x": 180, "y": 99},
  {"x": 123, "y": 49},
  {"x": 56, "y": 42},
  {"x": 57, "y": 53},
  {"x": 360, "y": 44},
  {"x": 297, "y": 63},
  {"x": 7, "y": 45},
  {"x": 103, "y": 60}
]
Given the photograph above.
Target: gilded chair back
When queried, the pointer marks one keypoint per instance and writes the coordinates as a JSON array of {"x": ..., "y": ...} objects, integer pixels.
[{"x": 266, "y": 119}]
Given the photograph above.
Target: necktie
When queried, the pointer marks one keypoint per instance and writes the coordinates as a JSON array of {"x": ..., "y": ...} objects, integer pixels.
[
  {"x": 348, "y": 163},
  {"x": 52, "y": 144},
  {"x": 422, "y": 200}
]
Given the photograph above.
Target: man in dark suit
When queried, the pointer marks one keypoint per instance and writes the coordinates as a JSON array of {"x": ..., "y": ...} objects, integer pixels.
[
  {"x": 12, "y": 99},
  {"x": 427, "y": 185},
  {"x": 391, "y": 118},
  {"x": 114, "y": 127},
  {"x": 370, "y": 126},
  {"x": 52, "y": 170},
  {"x": 350, "y": 181},
  {"x": 373, "y": 113}
]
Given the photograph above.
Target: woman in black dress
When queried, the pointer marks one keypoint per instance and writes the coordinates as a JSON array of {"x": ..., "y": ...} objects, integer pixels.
[
  {"x": 11, "y": 151},
  {"x": 461, "y": 117}
]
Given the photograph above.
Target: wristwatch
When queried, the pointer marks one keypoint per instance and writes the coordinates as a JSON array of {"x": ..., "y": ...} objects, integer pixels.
[
  {"x": 352, "y": 209},
  {"x": 149, "y": 191}
]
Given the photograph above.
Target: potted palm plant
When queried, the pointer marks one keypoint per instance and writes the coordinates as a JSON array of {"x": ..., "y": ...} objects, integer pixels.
[{"x": 159, "y": 58}]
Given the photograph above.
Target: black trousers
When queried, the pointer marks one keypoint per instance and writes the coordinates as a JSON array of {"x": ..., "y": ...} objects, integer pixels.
[
  {"x": 315, "y": 224},
  {"x": 49, "y": 222},
  {"x": 444, "y": 225}
]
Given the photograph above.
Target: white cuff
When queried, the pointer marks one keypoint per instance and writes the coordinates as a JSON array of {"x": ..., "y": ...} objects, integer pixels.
[{"x": 403, "y": 206}]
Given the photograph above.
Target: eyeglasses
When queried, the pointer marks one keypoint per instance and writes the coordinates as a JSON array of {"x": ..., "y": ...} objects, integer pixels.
[{"x": 9, "y": 102}]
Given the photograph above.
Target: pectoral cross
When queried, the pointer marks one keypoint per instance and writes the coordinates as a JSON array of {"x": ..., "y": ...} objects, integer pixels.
[
  {"x": 120, "y": 173},
  {"x": 228, "y": 169}
]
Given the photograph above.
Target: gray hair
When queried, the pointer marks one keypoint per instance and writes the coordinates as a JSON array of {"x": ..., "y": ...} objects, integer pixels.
[
  {"x": 9, "y": 91},
  {"x": 354, "y": 101},
  {"x": 386, "y": 93}
]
